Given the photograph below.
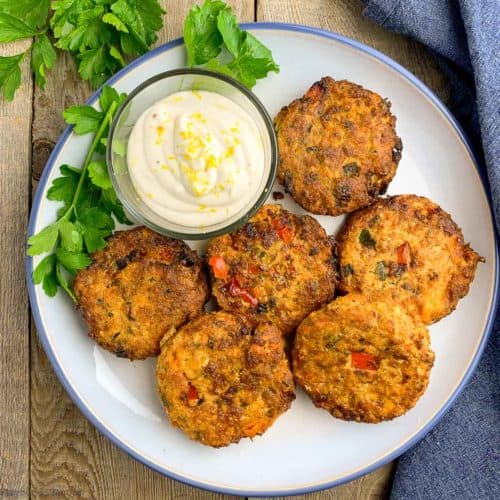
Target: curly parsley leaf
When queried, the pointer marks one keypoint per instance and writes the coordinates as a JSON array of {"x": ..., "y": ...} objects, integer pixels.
[
  {"x": 63, "y": 282},
  {"x": 10, "y": 74},
  {"x": 50, "y": 284},
  {"x": 44, "y": 268},
  {"x": 12, "y": 28},
  {"x": 72, "y": 261},
  {"x": 98, "y": 218},
  {"x": 65, "y": 16},
  {"x": 71, "y": 237},
  {"x": 203, "y": 40},
  {"x": 212, "y": 26},
  {"x": 108, "y": 96},
  {"x": 89, "y": 196},
  {"x": 115, "y": 53},
  {"x": 98, "y": 173},
  {"x": 94, "y": 239},
  {"x": 113, "y": 205},
  {"x": 254, "y": 61},
  {"x": 215, "y": 65},
  {"x": 45, "y": 273},
  {"x": 97, "y": 225},
  {"x": 63, "y": 188},
  {"x": 142, "y": 18},
  {"x": 22, "y": 19},
  {"x": 32, "y": 12},
  {"x": 110, "y": 18},
  {"x": 43, "y": 57},
  {"x": 85, "y": 119},
  {"x": 44, "y": 241},
  {"x": 227, "y": 25},
  {"x": 101, "y": 33},
  {"x": 96, "y": 66}
]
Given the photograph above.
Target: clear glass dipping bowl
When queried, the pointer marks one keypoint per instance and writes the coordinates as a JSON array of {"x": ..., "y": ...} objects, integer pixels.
[{"x": 157, "y": 88}]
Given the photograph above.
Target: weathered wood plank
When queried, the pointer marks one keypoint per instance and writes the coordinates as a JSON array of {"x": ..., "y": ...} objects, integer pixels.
[
  {"x": 15, "y": 152},
  {"x": 69, "y": 458},
  {"x": 373, "y": 486},
  {"x": 344, "y": 17}
]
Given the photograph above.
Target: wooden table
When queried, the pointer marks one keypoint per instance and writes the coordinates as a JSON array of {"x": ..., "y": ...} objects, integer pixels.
[{"x": 47, "y": 448}]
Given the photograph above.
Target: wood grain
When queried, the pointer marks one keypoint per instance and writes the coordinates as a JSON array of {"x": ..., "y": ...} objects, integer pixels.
[
  {"x": 69, "y": 457},
  {"x": 373, "y": 486},
  {"x": 15, "y": 152},
  {"x": 344, "y": 17}
]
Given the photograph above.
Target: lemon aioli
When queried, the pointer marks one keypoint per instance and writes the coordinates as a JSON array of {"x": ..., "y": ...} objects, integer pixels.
[{"x": 195, "y": 158}]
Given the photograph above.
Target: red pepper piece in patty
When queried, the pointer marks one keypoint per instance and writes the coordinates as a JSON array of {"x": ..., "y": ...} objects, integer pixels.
[
  {"x": 192, "y": 393},
  {"x": 403, "y": 254},
  {"x": 253, "y": 269},
  {"x": 284, "y": 232},
  {"x": 235, "y": 290},
  {"x": 363, "y": 361},
  {"x": 219, "y": 267}
]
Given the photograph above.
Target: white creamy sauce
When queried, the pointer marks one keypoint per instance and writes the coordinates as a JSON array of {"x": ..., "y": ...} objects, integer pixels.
[{"x": 195, "y": 158}]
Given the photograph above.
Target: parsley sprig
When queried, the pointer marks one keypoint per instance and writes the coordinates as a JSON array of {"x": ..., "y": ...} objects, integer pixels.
[
  {"x": 100, "y": 34},
  {"x": 214, "y": 39},
  {"x": 89, "y": 203}
]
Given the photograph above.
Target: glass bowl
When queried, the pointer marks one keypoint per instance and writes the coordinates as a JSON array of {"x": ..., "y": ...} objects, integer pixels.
[{"x": 157, "y": 88}]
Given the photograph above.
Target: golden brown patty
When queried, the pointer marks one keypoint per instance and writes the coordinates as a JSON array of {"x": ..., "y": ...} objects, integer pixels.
[
  {"x": 408, "y": 243},
  {"x": 137, "y": 288},
  {"x": 338, "y": 147},
  {"x": 278, "y": 266},
  {"x": 363, "y": 358},
  {"x": 221, "y": 379}
]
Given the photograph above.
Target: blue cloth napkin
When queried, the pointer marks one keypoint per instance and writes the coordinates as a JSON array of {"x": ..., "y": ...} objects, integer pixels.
[{"x": 460, "y": 458}]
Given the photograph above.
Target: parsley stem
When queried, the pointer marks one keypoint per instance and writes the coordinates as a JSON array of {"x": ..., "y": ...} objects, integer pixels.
[{"x": 98, "y": 136}]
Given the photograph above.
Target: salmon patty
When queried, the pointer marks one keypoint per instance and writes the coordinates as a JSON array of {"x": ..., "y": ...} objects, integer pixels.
[
  {"x": 363, "y": 358},
  {"x": 408, "y": 243},
  {"x": 338, "y": 148},
  {"x": 137, "y": 288},
  {"x": 279, "y": 266},
  {"x": 222, "y": 379}
]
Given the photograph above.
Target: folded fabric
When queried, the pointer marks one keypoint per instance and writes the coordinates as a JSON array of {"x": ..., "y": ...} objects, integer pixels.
[
  {"x": 464, "y": 37},
  {"x": 460, "y": 457}
]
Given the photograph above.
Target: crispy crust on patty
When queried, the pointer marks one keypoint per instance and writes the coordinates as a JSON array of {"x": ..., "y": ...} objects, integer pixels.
[
  {"x": 338, "y": 147},
  {"x": 408, "y": 243},
  {"x": 222, "y": 379},
  {"x": 279, "y": 267},
  {"x": 137, "y": 288},
  {"x": 363, "y": 358}
]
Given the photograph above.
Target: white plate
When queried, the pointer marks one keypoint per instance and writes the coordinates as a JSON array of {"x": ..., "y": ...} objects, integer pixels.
[{"x": 306, "y": 449}]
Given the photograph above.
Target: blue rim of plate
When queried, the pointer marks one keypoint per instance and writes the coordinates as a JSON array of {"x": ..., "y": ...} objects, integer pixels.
[{"x": 321, "y": 486}]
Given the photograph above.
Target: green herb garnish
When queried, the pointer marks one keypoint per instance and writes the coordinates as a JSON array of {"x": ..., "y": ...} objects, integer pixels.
[
  {"x": 351, "y": 169},
  {"x": 89, "y": 202},
  {"x": 381, "y": 270},
  {"x": 214, "y": 39},
  {"x": 365, "y": 238},
  {"x": 331, "y": 341},
  {"x": 100, "y": 34}
]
